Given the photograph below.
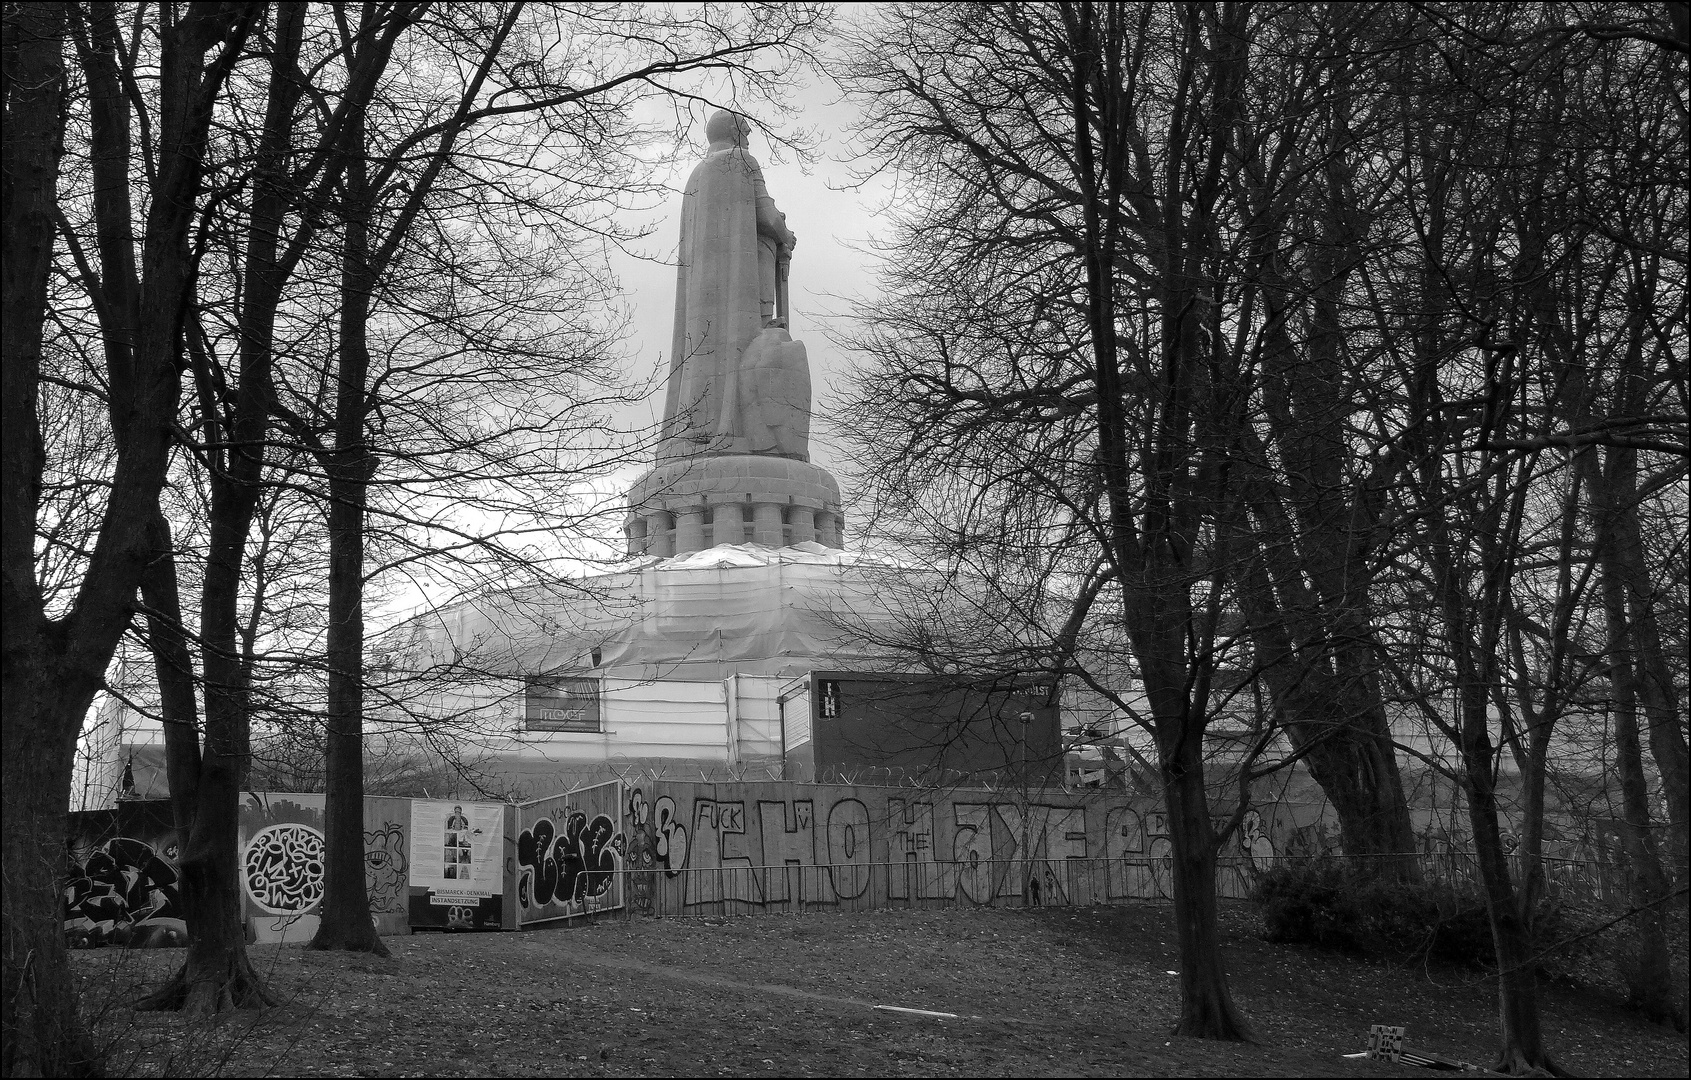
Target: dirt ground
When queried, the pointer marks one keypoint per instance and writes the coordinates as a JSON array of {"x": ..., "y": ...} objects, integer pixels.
[{"x": 1046, "y": 992}]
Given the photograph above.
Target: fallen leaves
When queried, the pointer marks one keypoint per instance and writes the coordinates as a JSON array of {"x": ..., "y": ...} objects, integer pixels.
[{"x": 1049, "y": 992}]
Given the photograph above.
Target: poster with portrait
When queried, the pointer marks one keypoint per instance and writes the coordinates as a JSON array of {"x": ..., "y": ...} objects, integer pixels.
[
  {"x": 458, "y": 847},
  {"x": 457, "y": 863}
]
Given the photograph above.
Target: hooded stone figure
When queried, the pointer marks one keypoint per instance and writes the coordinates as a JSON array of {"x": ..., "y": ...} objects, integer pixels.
[
  {"x": 774, "y": 394},
  {"x": 730, "y": 285}
]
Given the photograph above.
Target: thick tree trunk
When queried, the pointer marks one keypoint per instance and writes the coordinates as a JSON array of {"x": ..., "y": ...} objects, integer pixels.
[
  {"x": 1316, "y": 658},
  {"x": 44, "y": 1035},
  {"x": 1340, "y": 730},
  {"x": 1521, "y": 1035},
  {"x": 1653, "y": 988},
  {"x": 1656, "y": 693},
  {"x": 345, "y": 918},
  {"x": 1206, "y": 1004},
  {"x": 46, "y": 688},
  {"x": 217, "y": 974}
]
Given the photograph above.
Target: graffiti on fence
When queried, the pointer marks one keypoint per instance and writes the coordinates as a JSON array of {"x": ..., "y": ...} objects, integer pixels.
[
  {"x": 642, "y": 854},
  {"x": 281, "y": 863},
  {"x": 124, "y": 892},
  {"x": 997, "y": 850},
  {"x": 1254, "y": 842},
  {"x": 754, "y": 851},
  {"x": 670, "y": 846},
  {"x": 569, "y": 866},
  {"x": 830, "y": 845},
  {"x": 569, "y": 852},
  {"x": 385, "y": 867},
  {"x": 282, "y": 869}
]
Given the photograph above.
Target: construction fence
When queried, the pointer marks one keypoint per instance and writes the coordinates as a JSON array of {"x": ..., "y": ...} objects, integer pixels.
[{"x": 687, "y": 849}]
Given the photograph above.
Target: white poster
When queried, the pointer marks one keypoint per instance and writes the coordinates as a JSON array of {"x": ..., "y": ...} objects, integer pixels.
[{"x": 457, "y": 849}]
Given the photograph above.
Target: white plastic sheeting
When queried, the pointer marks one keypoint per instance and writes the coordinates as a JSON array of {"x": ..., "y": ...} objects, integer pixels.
[{"x": 706, "y": 615}]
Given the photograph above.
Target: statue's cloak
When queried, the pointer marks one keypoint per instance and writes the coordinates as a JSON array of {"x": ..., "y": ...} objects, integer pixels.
[{"x": 717, "y": 301}]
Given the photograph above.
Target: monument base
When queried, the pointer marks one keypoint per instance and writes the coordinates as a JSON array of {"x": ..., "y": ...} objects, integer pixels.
[{"x": 690, "y": 504}]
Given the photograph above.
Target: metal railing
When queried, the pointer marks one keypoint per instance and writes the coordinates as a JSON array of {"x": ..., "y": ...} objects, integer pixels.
[{"x": 744, "y": 889}]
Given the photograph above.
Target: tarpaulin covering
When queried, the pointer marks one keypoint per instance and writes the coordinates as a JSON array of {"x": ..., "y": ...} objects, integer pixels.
[{"x": 730, "y": 609}]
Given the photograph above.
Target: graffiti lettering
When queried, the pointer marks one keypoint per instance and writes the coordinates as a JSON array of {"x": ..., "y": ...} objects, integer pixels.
[
  {"x": 570, "y": 867},
  {"x": 570, "y": 854},
  {"x": 283, "y": 869},
  {"x": 671, "y": 836},
  {"x": 719, "y": 842},
  {"x": 642, "y": 852},
  {"x": 848, "y": 848},
  {"x": 971, "y": 850},
  {"x": 124, "y": 893},
  {"x": 912, "y": 829},
  {"x": 789, "y": 839}
]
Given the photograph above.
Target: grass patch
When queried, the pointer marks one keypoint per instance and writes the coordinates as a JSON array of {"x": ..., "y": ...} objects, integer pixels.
[{"x": 1043, "y": 992}]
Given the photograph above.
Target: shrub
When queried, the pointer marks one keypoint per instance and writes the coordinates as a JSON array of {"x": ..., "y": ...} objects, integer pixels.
[{"x": 1331, "y": 905}]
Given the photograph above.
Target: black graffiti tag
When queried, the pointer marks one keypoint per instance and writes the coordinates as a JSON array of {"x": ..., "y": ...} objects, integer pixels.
[
  {"x": 569, "y": 868},
  {"x": 593, "y": 847},
  {"x": 534, "y": 849},
  {"x": 671, "y": 836}
]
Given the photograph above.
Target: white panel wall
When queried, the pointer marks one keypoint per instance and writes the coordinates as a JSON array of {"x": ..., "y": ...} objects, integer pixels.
[
  {"x": 644, "y": 719},
  {"x": 759, "y": 729},
  {"x": 667, "y": 719}
]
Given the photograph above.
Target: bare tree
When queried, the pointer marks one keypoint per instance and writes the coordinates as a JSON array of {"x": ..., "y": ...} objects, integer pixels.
[
  {"x": 1494, "y": 318},
  {"x": 1114, "y": 325},
  {"x": 55, "y": 660}
]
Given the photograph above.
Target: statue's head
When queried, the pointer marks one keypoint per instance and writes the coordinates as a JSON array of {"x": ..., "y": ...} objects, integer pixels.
[{"x": 727, "y": 130}]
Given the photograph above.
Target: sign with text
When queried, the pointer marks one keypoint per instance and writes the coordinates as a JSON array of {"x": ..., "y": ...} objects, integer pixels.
[
  {"x": 458, "y": 847},
  {"x": 552, "y": 703}
]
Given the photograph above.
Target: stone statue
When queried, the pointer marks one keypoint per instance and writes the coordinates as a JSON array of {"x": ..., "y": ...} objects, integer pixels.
[
  {"x": 733, "y": 464},
  {"x": 774, "y": 394},
  {"x": 738, "y": 383}
]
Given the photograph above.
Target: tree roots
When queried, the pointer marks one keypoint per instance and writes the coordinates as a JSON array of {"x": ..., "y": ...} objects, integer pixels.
[{"x": 204, "y": 990}]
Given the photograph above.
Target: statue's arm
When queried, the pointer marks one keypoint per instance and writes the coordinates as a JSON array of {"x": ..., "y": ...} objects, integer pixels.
[{"x": 770, "y": 221}]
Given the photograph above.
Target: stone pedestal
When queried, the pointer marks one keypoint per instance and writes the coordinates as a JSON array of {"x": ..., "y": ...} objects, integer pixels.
[
  {"x": 768, "y": 525},
  {"x": 785, "y": 501},
  {"x": 689, "y": 526},
  {"x": 660, "y": 534},
  {"x": 728, "y": 522}
]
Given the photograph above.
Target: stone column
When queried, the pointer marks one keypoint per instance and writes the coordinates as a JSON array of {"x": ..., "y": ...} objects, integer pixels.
[
  {"x": 827, "y": 524},
  {"x": 635, "y": 530},
  {"x": 767, "y": 526},
  {"x": 804, "y": 524},
  {"x": 689, "y": 529},
  {"x": 728, "y": 523},
  {"x": 659, "y": 542}
]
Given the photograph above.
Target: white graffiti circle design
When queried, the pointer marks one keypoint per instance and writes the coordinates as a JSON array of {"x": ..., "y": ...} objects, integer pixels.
[{"x": 284, "y": 868}]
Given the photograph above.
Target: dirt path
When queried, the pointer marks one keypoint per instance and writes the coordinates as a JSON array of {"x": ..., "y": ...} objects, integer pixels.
[{"x": 1043, "y": 993}]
